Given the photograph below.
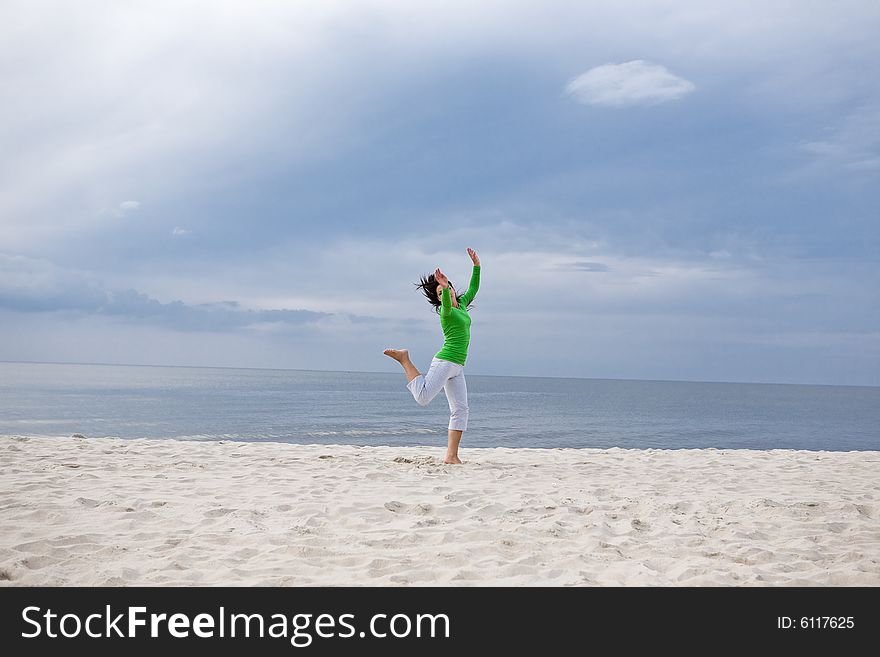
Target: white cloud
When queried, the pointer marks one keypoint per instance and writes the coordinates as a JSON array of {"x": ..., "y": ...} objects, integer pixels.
[
  {"x": 632, "y": 83},
  {"x": 126, "y": 207},
  {"x": 178, "y": 231}
]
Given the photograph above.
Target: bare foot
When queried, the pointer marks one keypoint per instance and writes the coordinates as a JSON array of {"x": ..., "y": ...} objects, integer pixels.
[
  {"x": 400, "y": 355},
  {"x": 453, "y": 460}
]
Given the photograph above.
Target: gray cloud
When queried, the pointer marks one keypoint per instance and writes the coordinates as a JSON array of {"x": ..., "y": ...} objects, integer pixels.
[
  {"x": 35, "y": 285},
  {"x": 136, "y": 306},
  {"x": 585, "y": 266},
  {"x": 853, "y": 143}
]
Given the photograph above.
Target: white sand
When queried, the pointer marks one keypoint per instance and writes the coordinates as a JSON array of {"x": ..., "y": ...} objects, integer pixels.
[{"x": 120, "y": 512}]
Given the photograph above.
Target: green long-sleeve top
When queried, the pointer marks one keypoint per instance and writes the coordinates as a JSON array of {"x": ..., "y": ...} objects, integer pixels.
[{"x": 456, "y": 323}]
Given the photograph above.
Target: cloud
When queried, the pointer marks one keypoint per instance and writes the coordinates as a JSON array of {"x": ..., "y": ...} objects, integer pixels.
[
  {"x": 853, "y": 143},
  {"x": 583, "y": 265},
  {"x": 37, "y": 285},
  {"x": 33, "y": 285},
  {"x": 127, "y": 206},
  {"x": 122, "y": 209},
  {"x": 178, "y": 231},
  {"x": 632, "y": 83}
]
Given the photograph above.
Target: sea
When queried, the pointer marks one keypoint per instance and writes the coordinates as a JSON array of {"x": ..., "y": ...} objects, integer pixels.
[{"x": 369, "y": 408}]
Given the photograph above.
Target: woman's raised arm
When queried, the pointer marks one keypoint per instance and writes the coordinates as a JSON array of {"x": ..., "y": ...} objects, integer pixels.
[{"x": 474, "y": 285}]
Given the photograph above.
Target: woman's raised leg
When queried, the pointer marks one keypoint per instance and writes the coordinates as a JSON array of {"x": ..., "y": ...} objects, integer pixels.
[
  {"x": 425, "y": 387},
  {"x": 402, "y": 357}
]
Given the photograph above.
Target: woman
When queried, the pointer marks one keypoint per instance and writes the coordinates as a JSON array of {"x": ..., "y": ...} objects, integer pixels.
[{"x": 447, "y": 367}]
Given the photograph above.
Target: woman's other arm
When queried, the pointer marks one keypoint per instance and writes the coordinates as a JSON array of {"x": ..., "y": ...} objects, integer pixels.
[
  {"x": 445, "y": 302},
  {"x": 445, "y": 299}
]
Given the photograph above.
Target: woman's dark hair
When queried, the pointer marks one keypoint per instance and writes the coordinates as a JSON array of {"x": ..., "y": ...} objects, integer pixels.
[{"x": 428, "y": 285}]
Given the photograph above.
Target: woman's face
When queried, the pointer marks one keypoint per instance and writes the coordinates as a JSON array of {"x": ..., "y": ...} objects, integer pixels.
[{"x": 451, "y": 294}]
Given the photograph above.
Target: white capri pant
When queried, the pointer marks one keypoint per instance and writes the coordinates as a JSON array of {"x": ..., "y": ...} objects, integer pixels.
[{"x": 449, "y": 376}]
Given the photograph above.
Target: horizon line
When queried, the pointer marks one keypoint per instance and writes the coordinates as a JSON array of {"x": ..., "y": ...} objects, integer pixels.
[{"x": 521, "y": 376}]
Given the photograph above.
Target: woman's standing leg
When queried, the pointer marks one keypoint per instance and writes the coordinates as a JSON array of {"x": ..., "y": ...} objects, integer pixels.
[{"x": 456, "y": 394}]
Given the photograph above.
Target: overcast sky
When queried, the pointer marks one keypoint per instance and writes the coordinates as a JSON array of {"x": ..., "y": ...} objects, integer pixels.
[{"x": 657, "y": 190}]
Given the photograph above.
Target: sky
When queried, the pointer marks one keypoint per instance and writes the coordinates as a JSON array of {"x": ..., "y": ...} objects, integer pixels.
[{"x": 656, "y": 190}]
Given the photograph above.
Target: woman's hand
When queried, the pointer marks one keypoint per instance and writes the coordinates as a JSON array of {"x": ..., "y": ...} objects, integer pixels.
[
  {"x": 441, "y": 278},
  {"x": 474, "y": 258}
]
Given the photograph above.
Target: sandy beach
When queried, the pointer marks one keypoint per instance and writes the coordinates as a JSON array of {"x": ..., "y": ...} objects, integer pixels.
[{"x": 109, "y": 512}]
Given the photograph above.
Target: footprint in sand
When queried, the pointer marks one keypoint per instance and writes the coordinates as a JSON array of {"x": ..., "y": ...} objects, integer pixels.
[
  {"x": 416, "y": 509},
  {"x": 428, "y": 522}
]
